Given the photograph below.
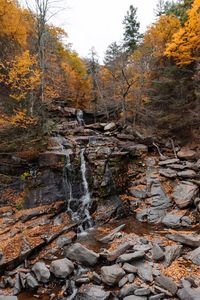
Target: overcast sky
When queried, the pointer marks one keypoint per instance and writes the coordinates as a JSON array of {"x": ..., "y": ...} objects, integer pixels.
[{"x": 98, "y": 23}]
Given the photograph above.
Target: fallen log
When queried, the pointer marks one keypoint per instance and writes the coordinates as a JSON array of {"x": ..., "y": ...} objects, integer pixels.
[{"x": 13, "y": 263}]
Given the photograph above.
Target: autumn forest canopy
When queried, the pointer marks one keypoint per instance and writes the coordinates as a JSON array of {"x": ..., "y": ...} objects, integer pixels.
[{"x": 150, "y": 79}]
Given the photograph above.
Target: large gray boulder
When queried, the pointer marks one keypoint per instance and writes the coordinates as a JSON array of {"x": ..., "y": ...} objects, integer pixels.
[
  {"x": 167, "y": 283},
  {"x": 145, "y": 272},
  {"x": 131, "y": 256},
  {"x": 92, "y": 292},
  {"x": 187, "y": 154},
  {"x": 128, "y": 290},
  {"x": 186, "y": 239},
  {"x": 111, "y": 275},
  {"x": 82, "y": 255},
  {"x": 176, "y": 220},
  {"x": 169, "y": 161},
  {"x": 41, "y": 272},
  {"x": 157, "y": 253},
  {"x": 185, "y": 193},
  {"x": 61, "y": 268},
  {"x": 169, "y": 173},
  {"x": 171, "y": 220},
  {"x": 190, "y": 174},
  {"x": 172, "y": 253},
  {"x": 110, "y": 126},
  {"x": 194, "y": 256},
  {"x": 31, "y": 281},
  {"x": 189, "y": 294},
  {"x": 129, "y": 268}
]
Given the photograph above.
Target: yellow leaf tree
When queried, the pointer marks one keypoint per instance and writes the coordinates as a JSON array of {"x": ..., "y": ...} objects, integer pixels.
[
  {"x": 160, "y": 33},
  {"x": 185, "y": 45},
  {"x": 21, "y": 76}
]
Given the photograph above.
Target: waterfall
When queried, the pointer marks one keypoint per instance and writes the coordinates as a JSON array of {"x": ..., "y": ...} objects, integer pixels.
[
  {"x": 67, "y": 182},
  {"x": 85, "y": 200},
  {"x": 86, "y": 196},
  {"x": 81, "y": 214},
  {"x": 79, "y": 116}
]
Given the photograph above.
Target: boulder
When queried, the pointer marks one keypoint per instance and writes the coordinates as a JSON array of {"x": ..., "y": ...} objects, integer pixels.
[
  {"x": 184, "y": 194},
  {"x": 138, "y": 192},
  {"x": 157, "y": 253},
  {"x": 187, "y": 154},
  {"x": 82, "y": 255},
  {"x": 145, "y": 272},
  {"x": 131, "y": 277},
  {"x": 186, "y": 239},
  {"x": 110, "y": 126},
  {"x": 31, "y": 282},
  {"x": 188, "y": 293},
  {"x": 143, "y": 247},
  {"x": 172, "y": 220},
  {"x": 167, "y": 283},
  {"x": 129, "y": 268},
  {"x": 41, "y": 272},
  {"x": 168, "y": 161},
  {"x": 111, "y": 275},
  {"x": 119, "y": 251},
  {"x": 194, "y": 256},
  {"x": 169, "y": 173},
  {"x": 142, "y": 292},
  {"x": 131, "y": 256},
  {"x": 128, "y": 290},
  {"x": 190, "y": 174},
  {"x": 176, "y": 220},
  {"x": 159, "y": 198},
  {"x": 92, "y": 292},
  {"x": 123, "y": 281},
  {"x": 61, "y": 268},
  {"x": 63, "y": 241},
  {"x": 172, "y": 253}
]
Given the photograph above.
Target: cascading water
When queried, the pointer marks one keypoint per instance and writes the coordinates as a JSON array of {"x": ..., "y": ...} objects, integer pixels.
[
  {"x": 79, "y": 212},
  {"x": 79, "y": 116},
  {"x": 86, "y": 220},
  {"x": 67, "y": 182}
]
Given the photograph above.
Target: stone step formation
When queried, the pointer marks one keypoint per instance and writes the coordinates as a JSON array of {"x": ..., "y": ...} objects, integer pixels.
[{"x": 141, "y": 206}]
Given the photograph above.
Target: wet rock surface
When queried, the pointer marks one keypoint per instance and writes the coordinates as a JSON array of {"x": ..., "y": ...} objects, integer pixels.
[
  {"x": 81, "y": 254},
  {"x": 156, "y": 257}
]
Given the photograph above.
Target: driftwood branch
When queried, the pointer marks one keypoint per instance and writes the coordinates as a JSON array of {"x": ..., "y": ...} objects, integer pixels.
[
  {"x": 173, "y": 147},
  {"x": 159, "y": 151}
]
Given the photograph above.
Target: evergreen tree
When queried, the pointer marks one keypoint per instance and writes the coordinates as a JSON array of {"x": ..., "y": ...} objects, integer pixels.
[
  {"x": 131, "y": 30},
  {"x": 113, "y": 53},
  {"x": 178, "y": 8}
]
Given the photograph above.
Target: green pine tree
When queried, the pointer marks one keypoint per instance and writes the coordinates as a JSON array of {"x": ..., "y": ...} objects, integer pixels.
[{"x": 131, "y": 30}]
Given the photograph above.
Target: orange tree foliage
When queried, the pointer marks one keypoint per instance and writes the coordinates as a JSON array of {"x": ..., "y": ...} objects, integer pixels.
[
  {"x": 185, "y": 45},
  {"x": 65, "y": 75},
  {"x": 14, "y": 26},
  {"x": 160, "y": 33},
  {"x": 21, "y": 76}
]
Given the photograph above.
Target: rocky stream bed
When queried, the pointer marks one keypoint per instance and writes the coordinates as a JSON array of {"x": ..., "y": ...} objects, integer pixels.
[{"x": 105, "y": 215}]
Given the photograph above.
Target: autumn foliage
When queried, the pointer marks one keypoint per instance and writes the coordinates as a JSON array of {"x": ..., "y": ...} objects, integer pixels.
[
  {"x": 184, "y": 47},
  {"x": 65, "y": 74},
  {"x": 149, "y": 84}
]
